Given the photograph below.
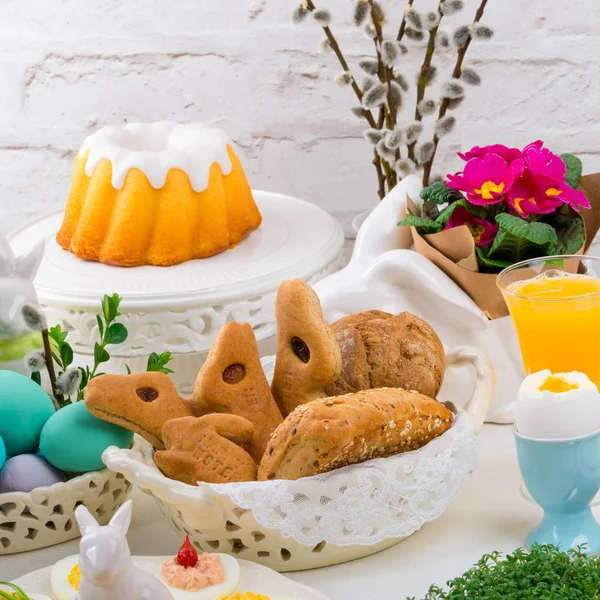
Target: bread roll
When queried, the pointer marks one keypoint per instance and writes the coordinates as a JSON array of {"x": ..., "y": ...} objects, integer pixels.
[
  {"x": 327, "y": 434},
  {"x": 382, "y": 350}
]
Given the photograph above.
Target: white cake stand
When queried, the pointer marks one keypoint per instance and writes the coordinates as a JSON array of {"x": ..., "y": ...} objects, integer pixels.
[{"x": 181, "y": 308}]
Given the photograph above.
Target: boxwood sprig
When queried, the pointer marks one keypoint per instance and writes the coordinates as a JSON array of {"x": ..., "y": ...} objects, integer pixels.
[{"x": 111, "y": 332}]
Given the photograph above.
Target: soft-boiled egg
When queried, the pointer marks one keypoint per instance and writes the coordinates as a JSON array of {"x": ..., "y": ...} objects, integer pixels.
[
  {"x": 231, "y": 571},
  {"x": 64, "y": 578},
  {"x": 558, "y": 406}
]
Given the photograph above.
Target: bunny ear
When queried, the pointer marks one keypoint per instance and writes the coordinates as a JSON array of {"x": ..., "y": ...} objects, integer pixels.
[
  {"x": 27, "y": 264},
  {"x": 7, "y": 258},
  {"x": 122, "y": 517},
  {"x": 84, "y": 519}
]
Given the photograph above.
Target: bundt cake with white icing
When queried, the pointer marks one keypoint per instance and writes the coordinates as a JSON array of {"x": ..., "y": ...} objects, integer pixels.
[{"x": 156, "y": 194}]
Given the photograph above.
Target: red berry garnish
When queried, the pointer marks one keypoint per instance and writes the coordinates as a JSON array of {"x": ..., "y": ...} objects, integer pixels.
[{"x": 187, "y": 556}]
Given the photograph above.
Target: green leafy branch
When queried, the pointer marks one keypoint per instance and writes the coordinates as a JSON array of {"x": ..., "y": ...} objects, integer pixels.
[
  {"x": 158, "y": 362},
  {"x": 111, "y": 333}
]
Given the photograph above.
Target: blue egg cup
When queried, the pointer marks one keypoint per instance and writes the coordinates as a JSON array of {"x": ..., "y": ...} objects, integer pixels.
[{"x": 563, "y": 476}]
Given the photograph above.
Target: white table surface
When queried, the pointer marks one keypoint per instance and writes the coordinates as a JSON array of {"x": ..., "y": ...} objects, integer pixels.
[{"x": 490, "y": 514}]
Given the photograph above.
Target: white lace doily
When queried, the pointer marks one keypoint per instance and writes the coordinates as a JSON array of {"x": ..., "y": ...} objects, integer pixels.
[{"x": 365, "y": 503}]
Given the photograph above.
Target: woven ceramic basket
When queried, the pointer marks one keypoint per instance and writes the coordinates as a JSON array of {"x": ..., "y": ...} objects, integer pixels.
[
  {"x": 46, "y": 516},
  {"x": 327, "y": 519}
]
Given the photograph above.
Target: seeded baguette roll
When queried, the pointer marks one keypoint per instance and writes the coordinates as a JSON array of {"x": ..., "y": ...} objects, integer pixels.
[{"x": 327, "y": 434}]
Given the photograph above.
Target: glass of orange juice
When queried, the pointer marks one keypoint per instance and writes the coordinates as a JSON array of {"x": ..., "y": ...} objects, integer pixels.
[{"x": 555, "y": 305}]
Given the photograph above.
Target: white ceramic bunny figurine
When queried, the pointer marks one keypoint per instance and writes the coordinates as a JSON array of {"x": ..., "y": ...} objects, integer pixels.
[
  {"x": 16, "y": 289},
  {"x": 107, "y": 572}
]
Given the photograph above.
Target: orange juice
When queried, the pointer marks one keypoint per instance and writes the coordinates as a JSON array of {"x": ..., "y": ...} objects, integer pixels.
[{"x": 557, "y": 320}]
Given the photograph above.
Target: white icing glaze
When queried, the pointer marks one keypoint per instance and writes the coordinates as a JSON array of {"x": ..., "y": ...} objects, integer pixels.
[{"x": 155, "y": 148}]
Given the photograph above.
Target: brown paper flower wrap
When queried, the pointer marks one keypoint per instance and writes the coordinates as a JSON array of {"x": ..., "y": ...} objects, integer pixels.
[{"x": 453, "y": 251}]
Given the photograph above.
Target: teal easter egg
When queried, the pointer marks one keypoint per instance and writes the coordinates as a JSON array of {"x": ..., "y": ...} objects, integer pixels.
[
  {"x": 2, "y": 453},
  {"x": 73, "y": 439},
  {"x": 24, "y": 408}
]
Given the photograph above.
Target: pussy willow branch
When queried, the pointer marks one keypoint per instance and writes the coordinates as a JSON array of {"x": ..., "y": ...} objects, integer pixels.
[
  {"x": 456, "y": 73},
  {"x": 340, "y": 56},
  {"x": 403, "y": 22},
  {"x": 424, "y": 75},
  {"x": 57, "y": 398},
  {"x": 385, "y": 76},
  {"x": 359, "y": 94}
]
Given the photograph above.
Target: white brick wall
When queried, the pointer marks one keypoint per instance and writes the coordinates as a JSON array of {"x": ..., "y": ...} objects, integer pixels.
[{"x": 70, "y": 66}]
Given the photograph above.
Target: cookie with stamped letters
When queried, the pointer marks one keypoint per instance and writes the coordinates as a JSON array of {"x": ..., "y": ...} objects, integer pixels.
[{"x": 208, "y": 449}]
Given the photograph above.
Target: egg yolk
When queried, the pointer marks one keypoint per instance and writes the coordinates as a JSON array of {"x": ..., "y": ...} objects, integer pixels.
[
  {"x": 74, "y": 577},
  {"x": 557, "y": 385}
]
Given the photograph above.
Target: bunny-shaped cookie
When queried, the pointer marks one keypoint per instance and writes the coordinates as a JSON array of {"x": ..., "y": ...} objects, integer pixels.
[
  {"x": 107, "y": 572},
  {"x": 16, "y": 289}
]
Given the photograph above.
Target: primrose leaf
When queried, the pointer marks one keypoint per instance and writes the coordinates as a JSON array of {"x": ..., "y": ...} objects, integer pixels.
[
  {"x": 37, "y": 377},
  {"x": 571, "y": 233},
  {"x": 509, "y": 248},
  {"x": 491, "y": 262},
  {"x": 423, "y": 223},
  {"x": 574, "y": 168},
  {"x": 440, "y": 193},
  {"x": 445, "y": 215},
  {"x": 116, "y": 334},
  {"x": 538, "y": 233}
]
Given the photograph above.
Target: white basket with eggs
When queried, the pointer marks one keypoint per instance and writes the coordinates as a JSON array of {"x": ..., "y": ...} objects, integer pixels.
[
  {"x": 325, "y": 519},
  {"x": 46, "y": 516}
]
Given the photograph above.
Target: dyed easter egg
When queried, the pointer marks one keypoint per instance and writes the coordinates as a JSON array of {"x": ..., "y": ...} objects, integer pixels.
[
  {"x": 73, "y": 439},
  {"x": 27, "y": 472},
  {"x": 2, "y": 453},
  {"x": 24, "y": 408}
]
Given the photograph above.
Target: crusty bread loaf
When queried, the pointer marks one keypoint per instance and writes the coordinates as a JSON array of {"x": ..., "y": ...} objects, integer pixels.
[
  {"x": 327, "y": 434},
  {"x": 382, "y": 350}
]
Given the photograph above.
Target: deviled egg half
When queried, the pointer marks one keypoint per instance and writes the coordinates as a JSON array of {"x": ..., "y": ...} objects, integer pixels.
[
  {"x": 558, "y": 406},
  {"x": 64, "y": 578}
]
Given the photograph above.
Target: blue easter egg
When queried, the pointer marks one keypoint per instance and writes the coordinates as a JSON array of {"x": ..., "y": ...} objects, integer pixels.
[
  {"x": 73, "y": 439},
  {"x": 27, "y": 472},
  {"x": 24, "y": 408},
  {"x": 2, "y": 453}
]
